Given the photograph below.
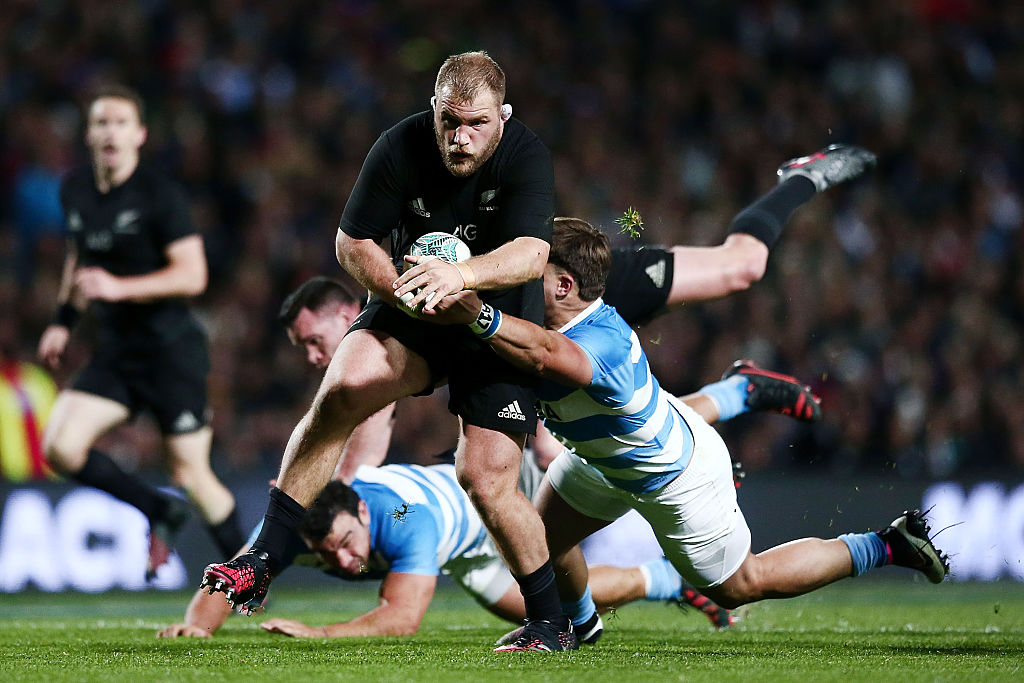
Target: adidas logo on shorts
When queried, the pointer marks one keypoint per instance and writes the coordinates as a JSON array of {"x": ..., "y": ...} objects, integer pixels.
[{"x": 512, "y": 412}]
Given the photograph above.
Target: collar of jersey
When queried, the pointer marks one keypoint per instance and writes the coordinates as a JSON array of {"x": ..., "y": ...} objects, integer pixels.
[{"x": 582, "y": 315}]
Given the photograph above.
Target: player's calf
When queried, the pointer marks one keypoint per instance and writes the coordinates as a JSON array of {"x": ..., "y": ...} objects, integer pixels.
[{"x": 163, "y": 531}]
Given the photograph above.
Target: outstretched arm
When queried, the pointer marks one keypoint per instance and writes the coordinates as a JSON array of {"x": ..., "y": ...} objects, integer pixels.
[
  {"x": 404, "y": 599},
  {"x": 205, "y": 614},
  {"x": 546, "y": 353}
]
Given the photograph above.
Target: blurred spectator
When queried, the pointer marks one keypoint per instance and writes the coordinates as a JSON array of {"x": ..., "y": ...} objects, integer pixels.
[
  {"x": 27, "y": 394},
  {"x": 902, "y": 297}
]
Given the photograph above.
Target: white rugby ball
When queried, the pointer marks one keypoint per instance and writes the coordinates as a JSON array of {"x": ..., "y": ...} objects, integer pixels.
[{"x": 440, "y": 245}]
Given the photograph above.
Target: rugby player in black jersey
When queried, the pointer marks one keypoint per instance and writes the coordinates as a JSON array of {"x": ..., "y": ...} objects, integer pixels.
[
  {"x": 133, "y": 258},
  {"x": 465, "y": 167}
]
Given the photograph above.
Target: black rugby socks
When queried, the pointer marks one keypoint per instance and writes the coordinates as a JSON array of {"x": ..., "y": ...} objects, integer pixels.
[
  {"x": 283, "y": 516},
  {"x": 766, "y": 217},
  {"x": 541, "y": 594},
  {"x": 104, "y": 474},
  {"x": 227, "y": 534}
]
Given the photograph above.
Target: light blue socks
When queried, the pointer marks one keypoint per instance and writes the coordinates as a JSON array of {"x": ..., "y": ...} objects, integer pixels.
[
  {"x": 661, "y": 579},
  {"x": 582, "y": 610},
  {"x": 730, "y": 395},
  {"x": 867, "y": 550}
]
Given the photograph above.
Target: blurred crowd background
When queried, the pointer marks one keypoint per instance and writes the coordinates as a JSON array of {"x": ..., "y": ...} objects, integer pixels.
[{"x": 900, "y": 298}]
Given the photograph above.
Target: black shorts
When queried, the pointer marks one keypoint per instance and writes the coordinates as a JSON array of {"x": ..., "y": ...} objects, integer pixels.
[
  {"x": 168, "y": 381},
  {"x": 483, "y": 389},
  {"x": 639, "y": 283}
]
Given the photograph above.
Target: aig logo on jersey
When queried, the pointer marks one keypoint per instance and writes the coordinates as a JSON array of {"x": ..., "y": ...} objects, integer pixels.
[
  {"x": 99, "y": 241},
  {"x": 512, "y": 412}
]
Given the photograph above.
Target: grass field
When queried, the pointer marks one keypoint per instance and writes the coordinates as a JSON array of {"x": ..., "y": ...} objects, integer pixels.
[{"x": 856, "y": 631}]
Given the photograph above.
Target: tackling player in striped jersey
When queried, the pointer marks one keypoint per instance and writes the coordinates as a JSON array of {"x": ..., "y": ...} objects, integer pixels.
[{"x": 634, "y": 446}]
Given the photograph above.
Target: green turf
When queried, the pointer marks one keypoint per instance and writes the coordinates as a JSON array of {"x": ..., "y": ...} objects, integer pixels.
[{"x": 855, "y": 631}]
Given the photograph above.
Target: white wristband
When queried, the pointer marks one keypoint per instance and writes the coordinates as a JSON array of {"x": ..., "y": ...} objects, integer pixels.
[{"x": 487, "y": 322}]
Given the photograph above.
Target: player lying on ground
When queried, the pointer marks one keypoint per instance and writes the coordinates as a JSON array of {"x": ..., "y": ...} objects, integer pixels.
[
  {"x": 403, "y": 525},
  {"x": 633, "y": 446},
  {"x": 133, "y": 258}
]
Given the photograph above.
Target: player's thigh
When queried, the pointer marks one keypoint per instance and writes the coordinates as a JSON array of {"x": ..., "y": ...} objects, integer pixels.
[
  {"x": 190, "y": 450},
  {"x": 696, "y": 517},
  {"x": 76, "y": 421},
  {"x": 487, "y": 462},
  {"x": 172, "y": 384},
  {"x": 627, "y": 542},
  {"x": 372, "y": 369},
  {"x": 575, "y": 501}
]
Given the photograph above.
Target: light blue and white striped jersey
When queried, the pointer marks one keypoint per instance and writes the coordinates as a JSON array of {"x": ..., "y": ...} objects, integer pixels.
[
  {"x": 420, "y": 520},
  {"x": 623, "y": 424}
]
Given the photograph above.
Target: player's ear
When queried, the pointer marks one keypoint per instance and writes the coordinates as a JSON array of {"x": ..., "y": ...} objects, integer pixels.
[
  {"x": 566, "y": 283},
  {"x": 364, "y": 513},
  {"x": 506, "y": 112},
  {"x": 433, "y": 102}
]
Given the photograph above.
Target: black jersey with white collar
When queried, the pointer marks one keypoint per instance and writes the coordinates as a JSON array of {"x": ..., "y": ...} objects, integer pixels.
[
  {"x": 405, "y": 191},
  {"x": 126, "y": 231}
]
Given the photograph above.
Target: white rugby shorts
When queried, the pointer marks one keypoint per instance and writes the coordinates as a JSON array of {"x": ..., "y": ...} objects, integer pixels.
[{"x": 695, "y": 517}]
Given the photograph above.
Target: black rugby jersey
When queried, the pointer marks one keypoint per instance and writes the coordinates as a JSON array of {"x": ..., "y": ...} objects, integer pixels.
[
  {"x": 405, "y": 190},
  {"x": 125, "y": 231}
]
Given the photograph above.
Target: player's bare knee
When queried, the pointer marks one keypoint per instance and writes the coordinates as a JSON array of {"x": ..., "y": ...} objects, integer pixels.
[
  {"x": 338, "y": 405},
  {"x": 186, "y": 474},
  {"x": 484, "y": 489},
  {"x": 746, "y": 272},
  {"x": 63, "y": 454},
  {"x": 743, "y": 587}
]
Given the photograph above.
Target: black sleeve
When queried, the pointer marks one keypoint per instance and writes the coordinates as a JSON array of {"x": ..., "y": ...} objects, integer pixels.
[
  {"x": 639, "y": 282},
  {"x": 528, "y": 189},
  {"x": 374, "y": 208},
  {"x": 174, "y": 215}
]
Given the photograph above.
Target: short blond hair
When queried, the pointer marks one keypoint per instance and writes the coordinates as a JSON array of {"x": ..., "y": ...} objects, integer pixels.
[{"x": 465, "y": 74}]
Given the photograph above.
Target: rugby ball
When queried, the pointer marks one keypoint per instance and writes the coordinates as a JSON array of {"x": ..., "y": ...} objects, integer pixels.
[
  {"x": 440, "y": 245},
  {"x": 437, "y": 245}
]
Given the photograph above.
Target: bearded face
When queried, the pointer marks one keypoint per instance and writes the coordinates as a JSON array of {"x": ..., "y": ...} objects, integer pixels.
[{"x": 467, "y": 132}]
